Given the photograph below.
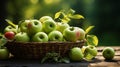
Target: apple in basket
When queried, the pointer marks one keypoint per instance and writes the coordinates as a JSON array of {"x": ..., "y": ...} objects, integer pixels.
[
  {"x": 55, "y": 36},
  {"x": 22, "y": 37},
  {"x": 40, "y": 37},
  {"x": 23, "y": 25},
  {"x": 62, "y": 26},
  {"x": 34, "y": 26},
  {"x": 72, "y": 34},
  {"x": 10, "y": 28},
  {"x": 49, "y": 26},
  {"x": 44, "y": 18},
  {"x": 31, "y": 26},
  {"x": 82, "y": 34},
  {"x": 9, "y": 35}
]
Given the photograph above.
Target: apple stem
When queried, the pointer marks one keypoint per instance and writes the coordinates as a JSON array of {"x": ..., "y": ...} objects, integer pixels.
[{"x": 72, "y": 28}]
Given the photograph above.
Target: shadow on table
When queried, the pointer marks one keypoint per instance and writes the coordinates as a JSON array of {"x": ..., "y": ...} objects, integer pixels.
[{"x": 36, "y": 63}]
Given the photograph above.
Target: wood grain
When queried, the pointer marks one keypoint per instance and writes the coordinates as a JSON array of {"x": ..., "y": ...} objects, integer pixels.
[{"x": 104, "y": 63}]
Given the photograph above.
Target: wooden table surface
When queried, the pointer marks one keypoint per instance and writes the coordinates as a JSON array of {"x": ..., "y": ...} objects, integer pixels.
[
  {"x": 99, "y": 61},
  {"x": 103, "y": 63}
]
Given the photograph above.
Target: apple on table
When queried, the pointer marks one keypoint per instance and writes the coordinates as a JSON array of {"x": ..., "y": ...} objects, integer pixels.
[
  {"x": 76, "y": 54},
  {"x": 89, "y": 52},
  {"x": 108, "y": 53},
  {"x": 4, "y": 53}
]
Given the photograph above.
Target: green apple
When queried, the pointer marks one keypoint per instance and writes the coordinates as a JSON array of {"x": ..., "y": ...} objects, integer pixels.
[
  {"x": 90, "y": 52},
  {"x": 3, "y": 40},
  {"x": 55, "y": 36},
  {"x": 44, "y": 18},
  {"x": 34, "y": 26},
  {"x": 76, "y": 54},
  {"x": 83, "y": 49},
  {"x": 30, "y": 26},
  {"x": 49, "y": 26},
  {"x": 40, "y": 37},
  {"x": 10, "y": 28},
  {"x": 22, "y": 37},
  {"x": 71, "y": 34},
  {"x": 82, "y": 34},
  {"x": 23, "y": 25},
  {"x": 108, "y": 53},
  {"x": 4, "y": 53},
  {"x": 62, "y": 26}
]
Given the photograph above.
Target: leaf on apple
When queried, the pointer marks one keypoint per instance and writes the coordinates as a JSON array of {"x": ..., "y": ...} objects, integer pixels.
[
  {"x": 10, "y": 23},
  {"x": 89, "y": 29},
  {"x": 92, "y": 40}
]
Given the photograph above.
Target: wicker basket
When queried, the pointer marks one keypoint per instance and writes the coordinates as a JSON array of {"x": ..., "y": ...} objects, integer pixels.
[{"x": 37, "y": 50}]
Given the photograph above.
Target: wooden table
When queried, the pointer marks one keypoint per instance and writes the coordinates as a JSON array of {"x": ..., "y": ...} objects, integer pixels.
[
  {"x": 97, "y": 62},
  {"x": 103, "y": 63}
]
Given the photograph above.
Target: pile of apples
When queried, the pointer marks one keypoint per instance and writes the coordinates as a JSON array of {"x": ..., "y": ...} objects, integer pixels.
[
  {"x": 46, "y": 29},
  {"x": 43, "y": 30}
]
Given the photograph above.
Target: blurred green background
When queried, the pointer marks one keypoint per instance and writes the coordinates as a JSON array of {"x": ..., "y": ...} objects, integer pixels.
[{"x": 103, "y": 14}]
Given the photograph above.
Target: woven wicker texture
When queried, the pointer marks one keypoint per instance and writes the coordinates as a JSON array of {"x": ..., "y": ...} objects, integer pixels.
[{"x": 37, "y": 50}]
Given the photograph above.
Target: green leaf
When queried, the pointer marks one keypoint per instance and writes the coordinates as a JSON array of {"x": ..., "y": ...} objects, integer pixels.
[
  {"x": 52, "y": 55},
  {"x": 92, "y": 40},
  {"x": 55, "y": 59},
  {"x": 76, "y": 16},
  {"x": 44, "y": 59},
  {"x": 70, "y": 12},
  {"x": 89, "y": 29},
  {"x": 57, "y": 15},
  {"x": 65, "y": 60},
  {"x": 11, "y": 23},
  {"x": 65, "y": 20}
]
